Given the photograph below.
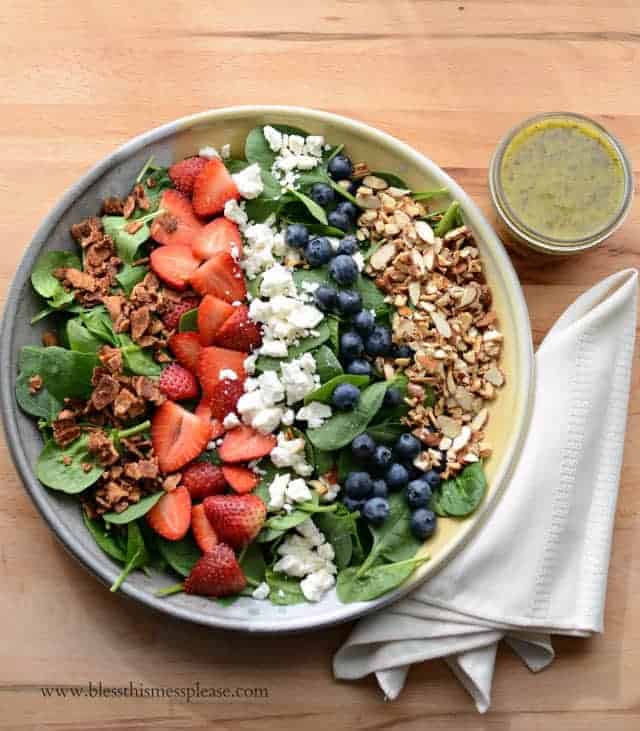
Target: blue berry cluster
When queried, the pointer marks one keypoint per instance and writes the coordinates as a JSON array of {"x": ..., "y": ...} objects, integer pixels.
[{"x": 391, "y": 470}]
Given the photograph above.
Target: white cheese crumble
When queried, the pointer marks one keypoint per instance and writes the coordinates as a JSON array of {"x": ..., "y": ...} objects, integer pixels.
[
  {"x": 315, "y": 414},
  {"x": 278, "y": 492},
  {"x": 209, "y": 152},
  {"x": 228, "y": 375},
  {"x": 316, "y": 584},
  {"x": 261, "y": 591},
  {"x": 249, "y": 181},
  {"x": 298, "y": 491},
  {"x": 235, "y": 212},
  {"x": 289, "y": 453},
  {"x": 294, "y": 153},
  {"x": 225, "y": 152},
  {"x": 230, "y": 421}
]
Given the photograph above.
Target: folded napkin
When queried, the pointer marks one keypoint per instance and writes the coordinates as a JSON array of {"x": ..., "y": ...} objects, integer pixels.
[{"x": 538, "y": 565}]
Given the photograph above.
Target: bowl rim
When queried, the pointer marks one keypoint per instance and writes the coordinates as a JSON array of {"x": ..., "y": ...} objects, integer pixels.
[{"x": 9, "y": 409}]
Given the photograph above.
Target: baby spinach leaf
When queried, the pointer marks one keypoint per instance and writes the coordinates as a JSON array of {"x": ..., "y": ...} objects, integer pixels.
[
  {"x": 256, "y": 147},
  {"x": 386, "y": 432},
  {"x": 253, "y": 564},
  {"x": 180, "y": 555},
  {"x": 341, "y": 428},
  {"x": 346, "y": 463},
  {"x": 353, "y": 586},
  {"x": 137, "y": 360},
  {"x": 98, "y": 322},
  {"x": 426, "y": 195},
  {"x": 334, "y": 333},
  {"x": 340, "y": 530},
  {"x": 137, "y": 555},
  {"x": 262, "y": 488},
  {"x": 161, "y": 182},
  {"x": 266, "y": 363},
  {"x": 67, "y": 373},
  {"x": 319, "y": 229},
  {"x": 327, "y": 365},
  {"x": 449, "y": 221},
  {"x": 71, "y": 478},
  {"x": 392, "y": 179},
  {"x": 260, "y": 208},
  {"x": 271, "y": 188},
  {"x": 314, "y": 209},
  {"x": 235, "y": 166},
  {"x": 322, "y": 460},
  {"x": 460, "y": 496},
  {"x": 286, "y": 521},
  {"x": 129, "y": 276},
  {"x": 127, "y": 244},
  {"x": 393, "y": 540},
  {"x": 80, "y": 339},
  {"x": 211, "y": 456},
  {"x": 41, "y": 403},
  {"x": 135, "y": 511},
  {"x": 372, "y": 297},
  {"x": 104, "y": 538},
  {"x": 325, "y": 391},
  {"x": 45, "y": 284},
  {"x": 189, "y": 321},
  {"x": 284, "y": 589}
]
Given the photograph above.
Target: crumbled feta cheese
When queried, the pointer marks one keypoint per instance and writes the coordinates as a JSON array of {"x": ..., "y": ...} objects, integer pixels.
[
  {"x": 235, "y": 212},
  {"x": 316, "y": 585},
  {"x": 298, "y": 491},
  {"x": 333, "y": 490},
  {"x": 231, "y": 421},
  {"x": 305, "y": 317},
  {"x": 225, "y": 152},
  {"x": 296, "y": 144},
  {"x": 294, "y": 152},
  {"x": 291, "y": 565},
  {"x": 249, "y": 405},
  {"x": 359, "y": 260},
  {"x": 273, "y": 137},
  {"x": 310, "y": 531},
  {"x": 228, "y": 374},
  {"x": 314, "y": 144},
  {"x": 249, "y": 181},
  {"x": 267, "y": 420},
  {"x": 274, "y": 348},
  {"x": 209, "y": 152},
  {"x": 298, "y": 378},
  {"x": 314, "y": 414},
  {"x": 271, "y": 388},
  {"x": 290, "y": 453},
  {"x": 325, "y": 550},
  {"x": 261, "y": 591},
  {"x": 250, "y": 364},
  {"x": 278, "y": 492},
  {"x": 277, "y": 280},
  {"x": 288, "y": 417}
]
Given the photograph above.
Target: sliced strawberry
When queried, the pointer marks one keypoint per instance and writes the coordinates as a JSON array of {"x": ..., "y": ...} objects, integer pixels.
[
  {"x": 224, "y": 397},
  {"x": 187, "y": 348},
  {"x": 203, "y": 479},
  {"x": 170, "y": 517},
  {"x": 203, "y": 411},
  {"x": 174, "y": 264},
  {"x": 217, "y": 573},
  {"x": 212, "y": 313},
  {"x": 184, "y": 173},
  {"x": 202, "y": 529},
  {"x": 213, "y": 360},
  {"x": 221, "y": 234},
  {"x": 179, "y": 225},
  {"x": 241, "y": 479},
  {"x": 243, "y": 444},
  {"x": 171, "y": 317},
  {"x": 236, "y": 519},
  {"x": 221, "y": 276},
  {"x": 212, "y": 188},
  {"x": 239, "y": 332},
  {"x": 177, "y": 383},
  {"x": 177, "y": 435}
]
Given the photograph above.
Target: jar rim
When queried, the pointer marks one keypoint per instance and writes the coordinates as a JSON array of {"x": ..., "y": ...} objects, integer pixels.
[{"x": 537, "y": 239}]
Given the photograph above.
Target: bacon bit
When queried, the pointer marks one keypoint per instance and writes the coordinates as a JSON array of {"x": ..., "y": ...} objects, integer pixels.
[
  {"x": 171, "y": 481},
  {"x": 129, "y": 206},
  {"x": 133, "y": 227},
  {"x": 87, "y": 466},
  {"x": 35, "y": 384},
  {"x": 49, "y": 339},
  {"x": 66, "y": 460},
  {"x": 65, "y": 429},
  {"x": 112, "y": 206},
  {"x": 101, "y": 445},
  {"x": 140, "y": 195}
]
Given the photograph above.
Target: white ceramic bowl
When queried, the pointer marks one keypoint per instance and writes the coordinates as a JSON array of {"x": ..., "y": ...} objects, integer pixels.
[{"x": 113, "y": 175}]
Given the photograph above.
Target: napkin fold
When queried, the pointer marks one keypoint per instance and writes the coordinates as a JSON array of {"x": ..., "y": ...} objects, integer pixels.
[{"x": 538, "y": 564}]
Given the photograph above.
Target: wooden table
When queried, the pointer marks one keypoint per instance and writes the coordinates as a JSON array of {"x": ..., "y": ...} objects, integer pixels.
[{"x": 450, "y": 77}]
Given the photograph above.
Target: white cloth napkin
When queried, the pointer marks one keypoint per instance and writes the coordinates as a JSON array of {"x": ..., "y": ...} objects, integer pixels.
[{"x": 538, "y": 565}]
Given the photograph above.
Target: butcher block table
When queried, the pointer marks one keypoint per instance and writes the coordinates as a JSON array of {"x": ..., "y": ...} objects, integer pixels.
[{"x": 450, "y": 78}]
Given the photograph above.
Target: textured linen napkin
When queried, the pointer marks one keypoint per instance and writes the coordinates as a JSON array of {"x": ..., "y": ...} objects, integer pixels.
[{"x": 538, "y": 565}]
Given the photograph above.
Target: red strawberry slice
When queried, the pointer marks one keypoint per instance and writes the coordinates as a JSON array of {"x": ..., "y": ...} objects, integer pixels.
[
  {"x": 241, "y": 479},
  {"x": 179, "y": 225},
  {"x": 243, "y": 444},
  {"x": 221, "y": 234},
  {"x": 217, "y": 573},
  {"x": 203, "y": 411},
  {"x": 174, "y": 264},
  {"x": 170, "y": 517},
  {"x": 203, "y": 479},
  {"x": 187, "y": 348},
  {"x": 177, "y": 383},
  {"x": 184, "y": 173},
  {"x": 224, "y": 397},
  {"x": 212, "y": 313},
  {"x": 177, "y": 435},
  {"x": 202, "y": 530},
  {"x": 239, "y": 332},
  {"x": 212, "y": 188},
  {"x": 213, "y": 360},
  {"x": 171, "y": 317},
  {"x": 236, "y": 519},
  {"x": 220, "y": 276}
]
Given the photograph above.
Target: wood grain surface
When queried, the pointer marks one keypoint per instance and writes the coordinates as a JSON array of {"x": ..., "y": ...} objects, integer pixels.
[{"x": 79, "y": 78}]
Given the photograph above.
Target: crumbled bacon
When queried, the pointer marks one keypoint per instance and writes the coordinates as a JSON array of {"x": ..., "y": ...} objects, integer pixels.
[
  {"x": 127, "y": 405},
  {"x": 112, "y": 206},
  {"x": 65, "y": 429},
  {"x": 101, "y": 445},
  {"x": 35, "y": 384},
  {"x": 49, "y": 339},
  {"x": 111, "y": 358},
  {"x": 105, "y": 392}
]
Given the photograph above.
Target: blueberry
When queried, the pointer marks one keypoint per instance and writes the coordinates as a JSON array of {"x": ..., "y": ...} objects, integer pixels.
[
  {"x": 408, "y": 447},
  {"x": 345, "y": 397},
  {"x": 359, "y": 367},
  {"x": 433, "y": 479},
  {"x": 349, "y": 302},
  {"x": 322, "y": 194},
  {"x": 343, "y": 269},
  {"x": 379, "y": 341},
  {"x": 349, "y": 209},
  {"x": 297, "y": 235},
  {"x": 353, "y": 186},
  {"x": 326, "y": 298},
  {"x": 418, "y": 494},
  {"x": 351, "y": 504},
  {"x": 340, "y": 167},
  {"x": 318, "y": 251},
  {"x": 379, "y": 488},
  {"x": 351, "y": 345},
  {"x": 364, "y": 322},
  {"x": 376, "y": 510},
  {"x": 363, "y": 446},
  {"x": 340, "y": 220},
  {"x": 397, "y": 477},
  {"x": 392, "y": 397},
  {"x": 402, "y": 351},
  {"x": 358, "y": 485},
  {"x": 423, "y": 523},
  {"x": 348, "y": 245},
  {"x": 381, "y": 458}
]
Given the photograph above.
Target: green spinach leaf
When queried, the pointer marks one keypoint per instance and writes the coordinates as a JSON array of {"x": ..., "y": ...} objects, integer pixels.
[
  {"x": 314, "y": 209},
  {"x": 353, "y": 586},
  {"x": 450, "y": 220},
  {"x": 127, "y": 244},
  {"x": 104, "y": 538},
  {"x": 40, "y": 403},
  {"x": 180, "y": 555},
  {"x": 137, "y": 555},
  {"x": 340, "y": 529},
  {"x": 62, "y": 468},
  {"x": 426, "y": 195},
  {"x": 253, "y": 564},
  {"x": 98, "y": 322},
  {"x": 129, "y": 276},
  {"x": 136, "y": 359},
  {"x": 327, "y": 365},
  {"x": 283, "y": 589},
  {"x": 45, "y": 284},
  {"x": 80, "y": 339},
  {"x": 393, "y": 540},
  {"x": 391, "y": 179},
  {"x": 189, "y": 321},
  {"x": 135, "y": 511},
  {"x": 67, "y": 373},
  {"x": 459, "y": 496}
]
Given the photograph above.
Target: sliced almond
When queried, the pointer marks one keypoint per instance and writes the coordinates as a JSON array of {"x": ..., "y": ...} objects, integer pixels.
[
  {"x": 442, "y": 326},
  {"x": 368, "y": 202},
  {"x": 381, "y": 258},
  {"x": 425, "y": 232},
  {"x": 414, "y": 292},
  {"x": 375, "y": 183}
]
